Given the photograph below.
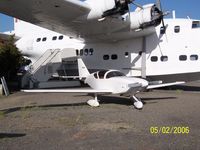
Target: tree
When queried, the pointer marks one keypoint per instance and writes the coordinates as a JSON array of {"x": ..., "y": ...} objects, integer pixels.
[{"x": 11, "y": 59}]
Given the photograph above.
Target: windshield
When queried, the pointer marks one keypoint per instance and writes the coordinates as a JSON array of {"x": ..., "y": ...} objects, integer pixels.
[{"x": 115, "y": 74}]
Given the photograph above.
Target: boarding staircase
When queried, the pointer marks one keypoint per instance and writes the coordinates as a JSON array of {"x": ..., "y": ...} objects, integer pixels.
[{"x": 41, "y": 74}]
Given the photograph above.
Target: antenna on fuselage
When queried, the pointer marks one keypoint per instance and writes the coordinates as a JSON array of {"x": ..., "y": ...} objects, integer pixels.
[{"x": 174, "y": 14}]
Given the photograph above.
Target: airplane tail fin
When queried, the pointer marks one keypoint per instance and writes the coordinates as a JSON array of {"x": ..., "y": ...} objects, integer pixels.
[{"x": 82, "y": 69}]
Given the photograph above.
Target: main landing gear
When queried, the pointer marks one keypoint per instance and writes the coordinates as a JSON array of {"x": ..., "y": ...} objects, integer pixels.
[
  {"x": 93, "y": 102},
  {"x": 137, "y": 103}
]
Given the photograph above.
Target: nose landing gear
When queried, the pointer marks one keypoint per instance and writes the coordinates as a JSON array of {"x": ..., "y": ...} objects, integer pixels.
[{"x": 137, "y": 103}]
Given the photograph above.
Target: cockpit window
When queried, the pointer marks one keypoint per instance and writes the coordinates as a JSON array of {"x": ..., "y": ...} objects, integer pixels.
[
  {"x": 102, "y": 73},
  {"x": 114, "y": 74},
  {"x": 195, "y": 24},
  {"x": 95, "y": 75}
]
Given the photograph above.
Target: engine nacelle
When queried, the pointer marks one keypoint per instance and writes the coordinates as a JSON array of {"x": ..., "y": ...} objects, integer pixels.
[
  {"x": 149, "y": 16},
  {"x": 104, "y": 8}
]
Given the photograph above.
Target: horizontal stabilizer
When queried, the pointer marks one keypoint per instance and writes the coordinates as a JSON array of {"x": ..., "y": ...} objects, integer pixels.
[{"x": 164, "y": 85}]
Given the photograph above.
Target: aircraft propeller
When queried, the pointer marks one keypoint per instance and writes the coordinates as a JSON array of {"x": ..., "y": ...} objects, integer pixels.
[{"x": 161, "y": 14}]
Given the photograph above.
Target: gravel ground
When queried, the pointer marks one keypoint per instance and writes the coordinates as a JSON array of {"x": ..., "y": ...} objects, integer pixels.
[{"x": 65, "y": 121}]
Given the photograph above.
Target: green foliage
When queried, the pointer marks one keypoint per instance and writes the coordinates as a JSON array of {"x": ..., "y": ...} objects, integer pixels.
[{"x": 11, "y": 59}]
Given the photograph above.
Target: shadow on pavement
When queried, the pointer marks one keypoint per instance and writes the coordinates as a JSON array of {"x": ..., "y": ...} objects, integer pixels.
[
  {"x": 11, "y": 135},
  {"x": 14, "y": 109},
  {"x": 183, "y": 88},
  {"x": 127, "y": 101},
  {"x": 103, "y": 100}
]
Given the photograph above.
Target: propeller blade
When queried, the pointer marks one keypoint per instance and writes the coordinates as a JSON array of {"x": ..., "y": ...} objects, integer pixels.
[
  {"x": 158, "y": 4},
  {"x": 136, "y": 4}
]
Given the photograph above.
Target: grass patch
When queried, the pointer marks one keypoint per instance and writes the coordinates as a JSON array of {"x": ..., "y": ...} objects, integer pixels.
[
  {"x": 2, "y": 114},
  {"x": 179, "y": 91}
]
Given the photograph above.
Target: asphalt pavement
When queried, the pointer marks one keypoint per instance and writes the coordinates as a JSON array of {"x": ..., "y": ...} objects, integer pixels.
[{"x": 169, "y": 120}]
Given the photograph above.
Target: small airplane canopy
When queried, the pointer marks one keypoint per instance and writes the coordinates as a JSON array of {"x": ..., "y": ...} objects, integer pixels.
[
  {"x": 114, "y": 74},
  {"x": 106, "y": 74}
]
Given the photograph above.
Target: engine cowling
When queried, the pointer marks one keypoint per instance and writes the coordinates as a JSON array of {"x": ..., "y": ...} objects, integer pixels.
[
  {"x": 105, "y": 8},
  {"x": 146, "y": 17}
]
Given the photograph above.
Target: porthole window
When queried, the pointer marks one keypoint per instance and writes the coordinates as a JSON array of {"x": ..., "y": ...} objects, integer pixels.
[
  {"x": 60, "y": 37},
  {"x": 182, "y": 57},
  {"x": 196, "y": 24},
  {"x": 91, "y": 51},
  {"x": 114, "y": 57},
  {"x": 106, "y": 57},
  {"x": 193, "y": 57},
  {"x": 44, "y": 39},
  {"x": 38, "y": 40},
  {"x": 81, "y": 52},
  {"x": 86, "y": 52},
  {"x": 54, "y": 38},
  {"x": 126, "y": 54},
  {"x": 154, "y": 58},
  {"x": 164, "y": 58},
  {"x": 177, "y": 29}
]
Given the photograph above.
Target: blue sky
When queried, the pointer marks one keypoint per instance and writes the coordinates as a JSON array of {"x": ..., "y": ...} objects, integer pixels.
[{"x": 183, "y": 9}]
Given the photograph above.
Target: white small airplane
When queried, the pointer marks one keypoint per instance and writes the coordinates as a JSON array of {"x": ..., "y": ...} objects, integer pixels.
[
  {"x": 108, "y": 82},
  {"x": 108, "y": 36}
]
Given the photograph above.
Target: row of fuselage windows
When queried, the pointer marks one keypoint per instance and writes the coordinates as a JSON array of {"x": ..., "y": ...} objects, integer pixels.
[
  {"x": 114, "y": 56},
  {"x": 176, "y": 29},
  {"x": 195, "y": 24},
  {"x": 181, "y": 58},
  {"x": 53, "y": 38},
  {"x": 90, "y": 51}
]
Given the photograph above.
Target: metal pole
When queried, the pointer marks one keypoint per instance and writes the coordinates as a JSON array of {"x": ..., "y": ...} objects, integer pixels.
[{"x": 143, "y": 63}]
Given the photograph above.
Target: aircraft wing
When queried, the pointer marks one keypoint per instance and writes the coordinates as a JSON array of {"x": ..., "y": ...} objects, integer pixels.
[
  {"x": 70, "y": 17},
  {"x": 75, "y": 90},
  {"x": 56, "y": 15},
  {"x": 164, "y": 85}
]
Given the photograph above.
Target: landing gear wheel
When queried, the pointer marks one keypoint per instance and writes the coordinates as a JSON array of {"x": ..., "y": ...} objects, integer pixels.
[
  {"x": 137, "y": 103},
  {"x": 93, "y": 102}
]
